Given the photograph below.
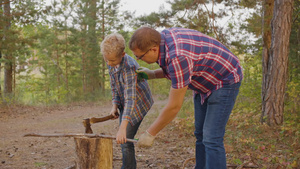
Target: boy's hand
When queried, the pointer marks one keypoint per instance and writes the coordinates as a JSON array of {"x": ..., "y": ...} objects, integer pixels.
[
  {"x": 145, "y": 73},
  {"x": 145, "y": 140},
  {"x": 114, "y": 112},
  {"x": 121, "y": 134}
]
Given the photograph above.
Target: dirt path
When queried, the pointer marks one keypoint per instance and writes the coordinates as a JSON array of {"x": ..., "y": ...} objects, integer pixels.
[{"x": 170, "y": 150}]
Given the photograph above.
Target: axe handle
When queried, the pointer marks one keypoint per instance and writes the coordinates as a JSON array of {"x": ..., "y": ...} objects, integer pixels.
[
  {"x": 75, "y": 135},
  {"x": 101, "y": 119}
]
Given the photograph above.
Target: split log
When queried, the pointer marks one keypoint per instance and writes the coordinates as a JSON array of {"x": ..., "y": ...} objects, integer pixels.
[{"x": 94, "y": 153}]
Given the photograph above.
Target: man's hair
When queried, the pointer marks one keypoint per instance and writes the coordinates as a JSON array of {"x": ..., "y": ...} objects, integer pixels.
[
  {"x": 144, "y": 38},
  {"x": 113, "y": 44}
]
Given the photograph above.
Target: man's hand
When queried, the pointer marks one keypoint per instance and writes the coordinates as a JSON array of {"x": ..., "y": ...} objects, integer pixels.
[
  {"x": 145, "y": 73},
  {"x": 145, "y": 140}
]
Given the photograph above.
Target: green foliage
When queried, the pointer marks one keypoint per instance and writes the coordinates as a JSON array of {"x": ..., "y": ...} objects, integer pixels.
[
  {"x": 292, "y": 103},
  {"x": 188, "y": 106},
  {"x": 59, "y": 56},
  {"x": 160, "y": 87},
  {"x": 250, "y": 90},
  {"x": 293, "y": 99}
]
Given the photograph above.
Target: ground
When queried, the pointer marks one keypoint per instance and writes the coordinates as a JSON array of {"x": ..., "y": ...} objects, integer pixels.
[{"x": 170, "y": 150}]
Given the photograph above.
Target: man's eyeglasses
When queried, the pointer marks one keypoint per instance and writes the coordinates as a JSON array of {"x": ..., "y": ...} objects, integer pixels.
[{"x": 142, "y": 55}]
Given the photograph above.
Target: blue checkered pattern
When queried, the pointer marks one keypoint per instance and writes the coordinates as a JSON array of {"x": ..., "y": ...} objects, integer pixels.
[{"x": 128, "y": 92}]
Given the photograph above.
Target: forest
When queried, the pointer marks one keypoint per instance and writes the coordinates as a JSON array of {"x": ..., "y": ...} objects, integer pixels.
[{"x": 50, "y": 55}]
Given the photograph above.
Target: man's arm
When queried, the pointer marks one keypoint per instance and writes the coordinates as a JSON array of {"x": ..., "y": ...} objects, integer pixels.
[
  {"x": 170, "y": 111},
  {"x": 159, "y": 73},
  {"x": 148, "y": 74}
]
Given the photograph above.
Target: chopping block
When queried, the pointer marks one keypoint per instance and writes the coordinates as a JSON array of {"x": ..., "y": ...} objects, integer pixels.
[{"x": 94, "y": 153}]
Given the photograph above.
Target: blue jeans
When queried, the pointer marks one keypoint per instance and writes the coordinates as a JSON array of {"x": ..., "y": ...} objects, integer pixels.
[
  {"x": 210, "y": 121},
  {"x": 128, "y": 151}
]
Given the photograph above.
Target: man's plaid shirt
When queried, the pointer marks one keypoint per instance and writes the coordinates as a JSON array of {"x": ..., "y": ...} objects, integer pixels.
[
  {"x": 133, "y": 95},
  {"x": 191, "y": 58}
]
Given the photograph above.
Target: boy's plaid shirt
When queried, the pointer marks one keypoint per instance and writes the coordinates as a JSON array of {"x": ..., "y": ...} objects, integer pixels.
[{"x": 133, "y": 95}]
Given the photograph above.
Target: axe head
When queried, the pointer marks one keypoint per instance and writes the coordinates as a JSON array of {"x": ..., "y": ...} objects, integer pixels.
[{"x": 87, "y": 126}]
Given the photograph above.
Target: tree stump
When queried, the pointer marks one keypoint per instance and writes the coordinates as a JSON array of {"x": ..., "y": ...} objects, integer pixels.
[{"x": 94, "y": 153}]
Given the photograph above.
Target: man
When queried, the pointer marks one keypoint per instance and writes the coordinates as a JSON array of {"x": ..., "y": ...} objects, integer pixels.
[{"x": 192, "y": 60}]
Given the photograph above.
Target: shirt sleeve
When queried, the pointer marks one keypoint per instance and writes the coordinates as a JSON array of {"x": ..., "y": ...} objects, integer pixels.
[
  {"x": 130, "y": 90},
  {"x": 114, "y": 93}
]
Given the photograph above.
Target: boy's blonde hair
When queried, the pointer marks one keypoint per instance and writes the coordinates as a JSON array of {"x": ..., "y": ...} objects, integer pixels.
[{"x": 113, "y": 44}]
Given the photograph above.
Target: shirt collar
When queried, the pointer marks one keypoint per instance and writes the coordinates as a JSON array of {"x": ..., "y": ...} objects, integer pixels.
[{"x": 117, "y": 68}]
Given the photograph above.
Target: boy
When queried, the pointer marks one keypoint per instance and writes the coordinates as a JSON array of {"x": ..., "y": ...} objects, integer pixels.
[{"x": 132, "y": 96}]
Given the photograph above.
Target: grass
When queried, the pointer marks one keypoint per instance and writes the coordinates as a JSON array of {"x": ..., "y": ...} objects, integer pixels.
[
  {"x": 40, "y": 164},
  {"x": 269, "y": 147}
]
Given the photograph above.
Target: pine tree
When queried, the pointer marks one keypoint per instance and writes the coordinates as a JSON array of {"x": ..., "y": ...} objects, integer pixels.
[{"x": 277, "y": 68}]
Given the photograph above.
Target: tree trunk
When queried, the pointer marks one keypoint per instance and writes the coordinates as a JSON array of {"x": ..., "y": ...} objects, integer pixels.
[
  {"x": 268, "y": 6},
  {"x": 94, "y": 153},
  {"x": 57, "y": 57},
  {"x": 0, "y": 74},
  {"x": 275, "y": 75},
  {"x": 83, "y": 54},
  {"x": 93, "y": 48},
  {"x": 67, "y": 62},
  {"x": 102, "y": 59},
  {"x": 1, "y": 41},
  {"x": 8, "y": 63}
]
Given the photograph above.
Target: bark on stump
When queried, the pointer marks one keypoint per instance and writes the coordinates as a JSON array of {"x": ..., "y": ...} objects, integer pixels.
[{"x": 94, "y": 153}]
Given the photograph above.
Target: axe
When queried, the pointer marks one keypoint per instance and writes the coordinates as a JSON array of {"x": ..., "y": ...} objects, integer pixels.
[{"x": 87, "y": 122}]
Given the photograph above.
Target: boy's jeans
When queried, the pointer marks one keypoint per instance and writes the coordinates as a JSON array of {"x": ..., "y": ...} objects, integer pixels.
[
  {"x": 210, "y": 121},
  {"x": 128, "y": 151}
]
